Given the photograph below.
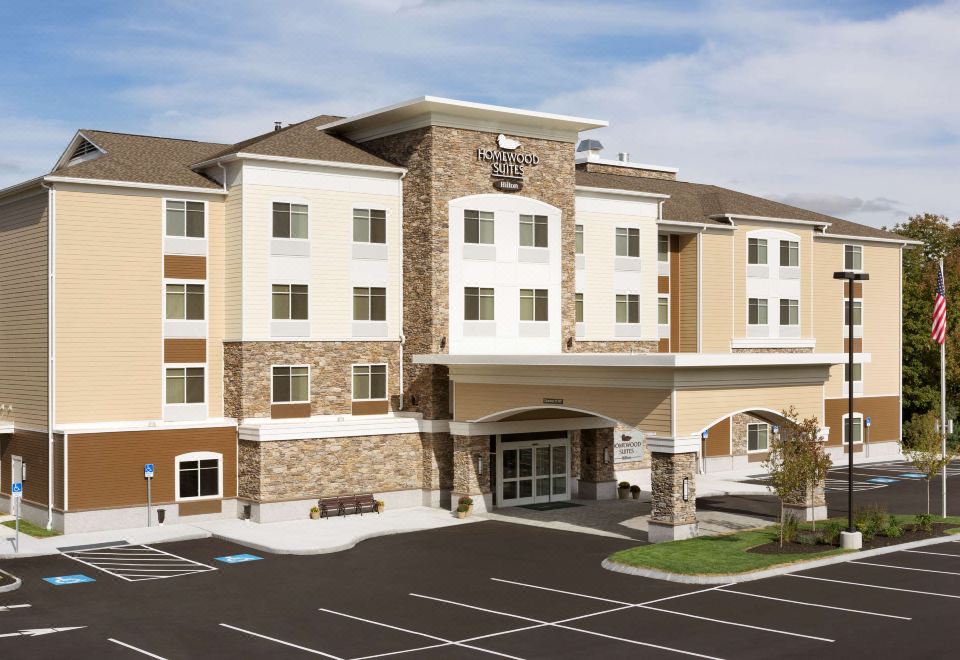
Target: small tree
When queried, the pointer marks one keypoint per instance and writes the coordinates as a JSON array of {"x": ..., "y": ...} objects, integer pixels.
[{"x": 923, "y": 447}]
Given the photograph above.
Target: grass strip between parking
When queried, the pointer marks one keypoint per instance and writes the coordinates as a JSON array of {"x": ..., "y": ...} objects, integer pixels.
[
  {"x": 725, "y": 554},
  {"x": 30, "y": 529}
]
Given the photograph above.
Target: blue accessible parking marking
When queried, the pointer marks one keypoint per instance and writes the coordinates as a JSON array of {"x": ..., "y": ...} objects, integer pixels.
[
  {"x": 68, "y": 579},
  {"x": 913, "y": 475},
  {"x": 882, "y": 480},
  {"x": 238, "y": 559}
]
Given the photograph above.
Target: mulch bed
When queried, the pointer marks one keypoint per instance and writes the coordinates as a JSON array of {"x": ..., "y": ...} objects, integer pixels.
[
  {"x": 909, "y": 534},
  {"x": 5, "y": 579}
]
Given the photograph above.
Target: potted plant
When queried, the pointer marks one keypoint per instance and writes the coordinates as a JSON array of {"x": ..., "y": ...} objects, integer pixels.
[
  {"x": 314, "y": 513},
  {"x": 379, "y": 506},
  {"x": 462, "y": 511},
  {"x": 468, "y": 501},
  {"x": 623, "y": 490},
  {"x": 635, "y": 491}
]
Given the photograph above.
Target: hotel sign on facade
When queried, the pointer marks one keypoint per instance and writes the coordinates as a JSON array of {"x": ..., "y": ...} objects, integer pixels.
[
  {"x": 507, "y": 163},
  {"x": 627, "y": 446}
]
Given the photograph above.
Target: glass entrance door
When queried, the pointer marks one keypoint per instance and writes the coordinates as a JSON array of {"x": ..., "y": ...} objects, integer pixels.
[{"x": 533, "y": 472}]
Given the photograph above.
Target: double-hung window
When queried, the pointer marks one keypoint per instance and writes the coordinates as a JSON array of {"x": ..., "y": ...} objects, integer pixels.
[
  {"x": 853, "y": 257},
  {"x": 369, "y": 226},
  {"x": 369, "y": 382},
  {"x": 185, "y": 302},
  {"x": 185, "y": 385},
  {"x": 533, "y": 304},
  {"x": 789, "y": 312},
  {"x": 291, "y": 385},
  {"x": 857, "y": 312},
  {"x": 628, "y": 308},
  {"x": 663, "y": 248},
  {"x": 290, "y": 302},
  {"x": 757, "y": 437},
  {"x": 857, "y": 373},
  {"x": 757, "y": 311},
  {"x": 663, "y": 310},
  {"x": 478, "y": 227},
  {"x": 789, "y": 254},
  {"x": 857, "y": 436},
  {"x": 578, "y": 307},
  {"x": 369, "y": 303},
  {"x": 289, "y": 220},
  {"x": 478, "y": 303},
  {"x": 628, "y": 242},
  {"x": 199, "y": 475},
  {"x": 533, "y": 231},
  {"x": 185, "y": 219},
  {"x": 757, "y": 251},
  {"x": 578, "y": 239}
]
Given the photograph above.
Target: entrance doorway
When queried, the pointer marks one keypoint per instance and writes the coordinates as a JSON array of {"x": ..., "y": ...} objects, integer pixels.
[{"x": 532, "y": 470}]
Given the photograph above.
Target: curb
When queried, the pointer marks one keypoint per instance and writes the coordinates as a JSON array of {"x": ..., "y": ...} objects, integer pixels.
[
  {"x": 195, "y": 535},
  {"x": 733, "y": 578},
  {"x": 10, "y": 587}
]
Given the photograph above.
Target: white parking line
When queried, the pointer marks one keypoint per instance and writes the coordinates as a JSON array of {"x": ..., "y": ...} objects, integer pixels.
[
  {"x": 826, "y": 607},
  {"x": 904, "y": 568},
  {"x": 4, "y": 608},
  {"x": 136, "y": 563},
  {"x": 872, "y": 586},
  {"x": 561, "y": 591},
  {"x": 926, "y": 552},
  {"x": 280, "y": 641},
  {"x": 134, "y": 648}
]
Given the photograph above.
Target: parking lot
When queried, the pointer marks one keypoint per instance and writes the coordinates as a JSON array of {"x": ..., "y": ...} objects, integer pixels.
[{"x": 487, "y": 590}]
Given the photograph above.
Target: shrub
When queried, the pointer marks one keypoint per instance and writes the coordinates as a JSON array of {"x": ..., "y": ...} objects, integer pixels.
[
  {"x": 463, "y": 508},
  {"x": 808, "y": 538},
  {"x": 923, "y": 522},
  {"x": 894, "y": 529},
  {"x": 634, "y": 488},
  {"x": 624, "y": 485},
  {"x": 315, "y": 509},
  {"x": 871, "y": 520},
  {"x": 789, "y": 528},
  {"x": 830, "y": 534},
  {"x": 465, "y": 500}
]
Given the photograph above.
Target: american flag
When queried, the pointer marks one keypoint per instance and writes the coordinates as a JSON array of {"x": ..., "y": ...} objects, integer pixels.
[{"x": 939, "y": 331}]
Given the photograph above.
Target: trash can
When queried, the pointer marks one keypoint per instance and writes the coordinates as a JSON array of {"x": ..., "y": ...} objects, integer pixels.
[{"x": 161, "y": 514}]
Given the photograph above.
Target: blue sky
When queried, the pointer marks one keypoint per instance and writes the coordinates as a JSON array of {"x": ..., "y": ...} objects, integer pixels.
[{"x": 845, "y": 107}]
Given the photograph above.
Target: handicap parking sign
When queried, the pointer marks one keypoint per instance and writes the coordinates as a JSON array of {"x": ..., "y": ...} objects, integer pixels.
[
  {"x": 16, "y": 490},
  {"x": 148, "y": 470},
  {"x": 238, "y": 559},
  {"x": 68, "y": 579}
]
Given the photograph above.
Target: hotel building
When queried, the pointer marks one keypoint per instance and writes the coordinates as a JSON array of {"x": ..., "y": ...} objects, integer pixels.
[{"x": 433, "y": 299}]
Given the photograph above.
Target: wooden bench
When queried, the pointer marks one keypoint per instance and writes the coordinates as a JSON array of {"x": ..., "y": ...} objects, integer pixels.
[
  {"x": 328, "y": 504},
  {"x": 344, "y": 504}
]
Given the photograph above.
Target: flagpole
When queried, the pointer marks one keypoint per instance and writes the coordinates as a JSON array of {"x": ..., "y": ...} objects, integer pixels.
[{"x": 943, "y": 407}]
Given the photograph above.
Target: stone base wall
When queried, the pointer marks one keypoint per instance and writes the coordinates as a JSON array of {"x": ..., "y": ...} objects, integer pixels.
[
  {"x": 593, "y": 442},
  {"x": 667, "y": 472},
  {"x": 437, "y": 461},
  {"x": 600, "y": 168},
  {"x": 248, "y": 371},
  {"x": 466, "y": 450},
  {"x": 618, "y": 346}
]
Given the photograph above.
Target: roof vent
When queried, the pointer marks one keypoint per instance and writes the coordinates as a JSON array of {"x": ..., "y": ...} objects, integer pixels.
[
  {"x": 85, "y": 148},
  {"x": 623, "y": 157},
  {"x": 277, "y": 125},
  {"x": 590, "y": 146}
]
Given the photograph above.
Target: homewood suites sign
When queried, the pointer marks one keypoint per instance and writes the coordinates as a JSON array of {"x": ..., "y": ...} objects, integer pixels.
[{"x": 506, "y": 161}]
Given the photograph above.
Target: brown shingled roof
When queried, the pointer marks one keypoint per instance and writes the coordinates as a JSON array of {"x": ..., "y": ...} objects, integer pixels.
[
  {"x": 697, "y": 202},
  {"x": 144, "y": 159}
]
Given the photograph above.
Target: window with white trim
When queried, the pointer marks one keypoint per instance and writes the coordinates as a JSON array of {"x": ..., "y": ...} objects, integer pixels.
[
  {"x": 628, "y": 308},
  {"x": 291, "y": 385},
  {"x": 369, "y": 226},
  {"x": 758, "y": 437},
  {"x": 857, "y": 428},
  {"x": 663, "y": 310},
  {"x": 478, "y": 303},
  {"x": 478, "y": 227},
  {"x": 533, "y": 231},
  {"x": 290, "y": 220},
  {"x": 199, "y": 475},
  {"x": 789, "y": 312},
  {"x": 628, "y": 242},
  {"x": 290, "y": 302},
  {"x": 757, "y": 251},
  {"x": 857, "y": 312},
  {"x": 757, "y": 311},
  {"x": 369, "y": 382},
  {"x": 185, "y": 219},
  {"x": 663, "y": 248},
  {"x": 185, "y": 385},
  {"x": 578, "y": 307},
  {"x": 578, "y": 239},
  {"x": 853, "y": 257},
  {"x": 534, "y": 305},
  {"x": 789, "y": 254},
  {"x": 369, "y": 303},
  {"x": 185, "y": 302}
]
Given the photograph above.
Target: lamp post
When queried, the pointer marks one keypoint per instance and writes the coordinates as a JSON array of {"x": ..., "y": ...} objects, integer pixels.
[{"x": 851, "y": 539}]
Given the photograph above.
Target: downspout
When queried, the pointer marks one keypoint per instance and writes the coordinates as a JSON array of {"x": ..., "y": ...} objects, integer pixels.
[
  {"x": 403, "y": 338},
  {"x": 224, "y": 170},
  {"x": 51, "y": 345}
]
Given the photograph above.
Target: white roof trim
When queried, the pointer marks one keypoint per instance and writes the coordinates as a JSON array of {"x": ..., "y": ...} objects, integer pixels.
[
  {"x": 133, "y": 184},
  {"x": 241, "y": 155},
  {"x": 792, "y": 221},
  {"x": 670, "y": 360},
  {"x": 620, "y": 191},
  {"x": 587, "y": 158},
  {"x": 699, "y": 225},
  {"x": 870, "y": 239},
  {"x": 20, "y": 187},
  {"x": 148, "y": 425}
]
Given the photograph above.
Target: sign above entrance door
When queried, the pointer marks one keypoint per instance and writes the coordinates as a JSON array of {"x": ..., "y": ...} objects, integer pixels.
[{"x": 553, "y": 402}]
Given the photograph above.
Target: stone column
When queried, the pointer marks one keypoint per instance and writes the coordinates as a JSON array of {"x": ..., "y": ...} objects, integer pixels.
[
  {"x": 807, "y": 505},
  {"x": 672, "y": 461},
  {"x": 597, "y": 481},
  {"x": 471, "y": 471}
]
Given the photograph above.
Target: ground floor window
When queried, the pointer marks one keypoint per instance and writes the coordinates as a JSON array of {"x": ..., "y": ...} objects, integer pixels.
[
  {"x": 857, "y": 428},
  {"x": 369, "y": 382},
  {"x": 199, "y": 474},
  {"x": 757, "y": 439}
]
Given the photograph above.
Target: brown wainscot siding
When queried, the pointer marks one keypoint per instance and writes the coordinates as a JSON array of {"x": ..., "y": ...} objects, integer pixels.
[
  {"x": 184, "y": 267},
  {"x": 31, "y": 446},
  {"x": 718, "y": 440},
  {"x": 883, "y": 411},
  {"x": 371, "y": 407},
  {"x": 106, "y": 469},
  {"x": 184, "y": 350},
  {"x": 289, "y": 410}
]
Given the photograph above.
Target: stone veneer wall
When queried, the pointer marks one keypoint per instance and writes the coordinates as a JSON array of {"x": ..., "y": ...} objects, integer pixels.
[
  {"x": 437, "y": 461},
  {"x": 282, "y": 470},
  {"x": 466, "y": 449},
  {"x": 600, "y": 168},
  {"x": 592, "y": 444},
  {"x": 247, "y": 373},
  {"x": 772, "y": 350},
  {"x": 667, "y": 473},
  {"x": 618, "y": 346},
  {"x": 739, "y": 431}
]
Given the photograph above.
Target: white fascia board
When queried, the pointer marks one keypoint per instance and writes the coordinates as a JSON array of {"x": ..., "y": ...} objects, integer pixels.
[
  {"x": 6, "y": 426},
  {"x": 336, "y": 426},
  {"x": 530, "y": 426},
  {"x": 772, "y": 342},
  {"x": 620, "y": 192},
  {"x": 763, "y": 218},
  {"x": 670, "y": 360},
  {"x": 240, "y": 155},
  {"x": 869, "y": 239},
  {"x": 133, "y": 184},
  {"x": 586, "y": 158},
  {"x": 150, "y": 425},
  {"x": 683, "y": 224}
]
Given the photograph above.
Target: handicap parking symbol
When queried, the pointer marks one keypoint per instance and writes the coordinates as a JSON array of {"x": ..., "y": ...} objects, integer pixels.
[
  {"x": 238, "y": 559},
  {"x": 68, "y": 579},
  {"x": 913, "y": 475},
  {"x": 882, "y": 480}
]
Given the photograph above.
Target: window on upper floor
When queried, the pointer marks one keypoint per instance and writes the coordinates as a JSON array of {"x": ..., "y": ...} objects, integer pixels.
[
  {"x": 857, "y": 373},
  {"x": 291, "y": 385},
  {"x": 186, "y": 219},
  {"x": 578, "y": 307},
  {"x": 628, "y": 242},
  {"x": 628, "y": 308},
  {"x": 789, "y": 254},
  {"x": 578, "y": 239},
  {"x": 789, "y": 312},
  {"x": 857, "y": 312},
  {"x": 290, "y": 302},
  {"x": 369, "y": 303},
  {"x": 290, "y": 220},
  {"x": 185, "y": 385},
  {"x": 852, "y": 257},
  {"x": 533, "y": 305},
  {"x": 369, "y": 226},
  {"x": 185, "y": 302},
  {"x": 369, "y": 382},
  {"x": 478, "y": 303},
  {"x": 757, "y": 251},
  {"x": 663, "y": 310},
  {"x": 758, "y": 437},
  {"x": 478, "y": 227},
  {"x": 757, "y": 311},
  {"x": 533, "y": 231},
  {"x": 663, "y": 248}
]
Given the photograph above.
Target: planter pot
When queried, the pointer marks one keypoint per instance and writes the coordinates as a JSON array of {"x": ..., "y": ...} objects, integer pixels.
[
  {"x": 636, "y": 495},
  {"x": 314, "y": 515},
  {"x": 461, "y": 514},
  {"x": 624, "y": 493},
  {"x": 379, "y": 508},
  {"x": 470, "y": 509}
]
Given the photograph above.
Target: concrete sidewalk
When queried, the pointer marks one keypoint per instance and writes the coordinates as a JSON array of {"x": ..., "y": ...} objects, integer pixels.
[{"x": 33, "y": 547}]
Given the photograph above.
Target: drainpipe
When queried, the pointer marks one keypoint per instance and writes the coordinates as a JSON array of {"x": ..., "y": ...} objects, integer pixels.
[
  {"x": 403, "y": 338},
  {"x": 224, "y": 170},
  {"x": 51, "y": 345}
]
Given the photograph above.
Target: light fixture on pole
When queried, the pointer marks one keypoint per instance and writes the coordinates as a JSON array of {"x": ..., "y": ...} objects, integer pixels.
[{"x": 851, "y": 539}]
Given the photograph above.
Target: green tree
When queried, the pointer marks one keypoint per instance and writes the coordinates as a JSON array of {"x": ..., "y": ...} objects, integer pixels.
[
  {"x": 923, "y": 447},
  {"x": 814, "y": 461}
]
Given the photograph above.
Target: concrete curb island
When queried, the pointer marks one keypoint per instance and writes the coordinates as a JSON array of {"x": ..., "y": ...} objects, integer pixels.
[
  {"x": 10, "y": 587},
  {"x": 733, "y": 578}
]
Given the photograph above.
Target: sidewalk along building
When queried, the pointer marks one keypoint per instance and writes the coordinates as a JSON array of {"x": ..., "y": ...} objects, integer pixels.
[{"x": 425, "y": 301}]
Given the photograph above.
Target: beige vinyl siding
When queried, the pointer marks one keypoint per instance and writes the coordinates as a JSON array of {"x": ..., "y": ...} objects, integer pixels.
[
  {"x": 698, "y": 409},
  {"x": 717, "y": 302},
  {"x": 688, "y": 293},
  {"x": 233, "y": 263},
  {"x": 23, "y": 307}
]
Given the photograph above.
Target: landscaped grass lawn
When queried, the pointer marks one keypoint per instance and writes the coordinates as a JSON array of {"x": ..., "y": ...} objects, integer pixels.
[{"x": 30, "y": 529}]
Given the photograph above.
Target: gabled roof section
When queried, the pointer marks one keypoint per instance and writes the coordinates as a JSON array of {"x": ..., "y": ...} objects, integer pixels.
[
  {"x": 707, "y": 204},
  {"x": 141, "y": 159},
  {"x": 80, "y": 148},
  {"x": 304, "y": 142}
]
